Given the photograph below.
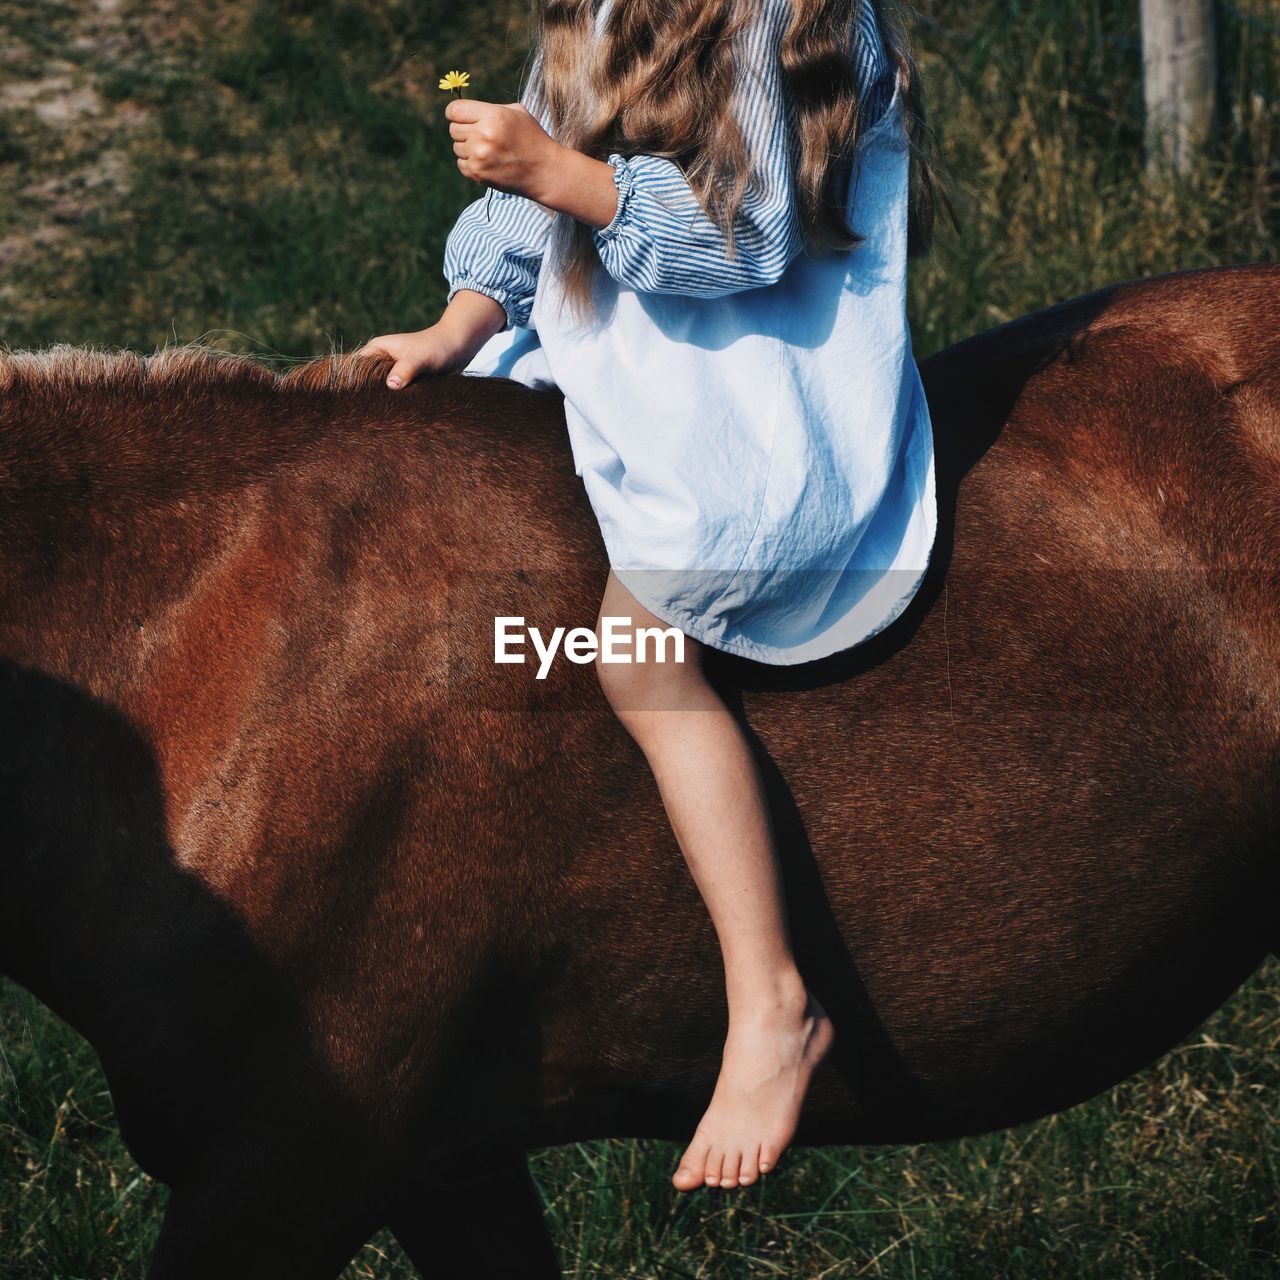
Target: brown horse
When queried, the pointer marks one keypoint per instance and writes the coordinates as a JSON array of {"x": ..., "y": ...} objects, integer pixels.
[{"x": 355, "y": 916}]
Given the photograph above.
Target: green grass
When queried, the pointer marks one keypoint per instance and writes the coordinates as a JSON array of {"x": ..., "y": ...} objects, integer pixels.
[
  {"x": 1039, "y": 107},
  {"x": 288, "y": 187}
]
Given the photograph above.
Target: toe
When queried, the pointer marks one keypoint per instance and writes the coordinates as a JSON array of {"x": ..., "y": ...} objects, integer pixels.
[
  {"x": 749, "y": 1169},
  {"x": 729, "y": 1170},
  {"x": 715, "y": 1162},
  {"x": 768, "y": 1158},
  {"x": 692, "y": 1168}
]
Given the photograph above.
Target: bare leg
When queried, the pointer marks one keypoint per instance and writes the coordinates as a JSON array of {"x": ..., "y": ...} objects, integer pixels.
[{"x": 714, "y": 797}]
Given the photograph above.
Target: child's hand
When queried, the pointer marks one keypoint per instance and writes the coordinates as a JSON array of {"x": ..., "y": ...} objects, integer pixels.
[
  {"x": 501, "y": 146},
  {"x": 432, "y": 350}
]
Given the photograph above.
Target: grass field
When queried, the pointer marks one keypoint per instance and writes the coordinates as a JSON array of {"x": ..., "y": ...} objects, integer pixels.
[{"x": 276, "y": 177}]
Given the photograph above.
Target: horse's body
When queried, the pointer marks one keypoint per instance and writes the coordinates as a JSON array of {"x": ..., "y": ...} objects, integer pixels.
[{"x": 354, "y": 915}]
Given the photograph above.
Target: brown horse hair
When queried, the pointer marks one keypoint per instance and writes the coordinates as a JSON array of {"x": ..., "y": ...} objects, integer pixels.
[
  {"x": 109, "y": 440},
  {"x": 660, "y": 81},
  {"x": 63, "y": 368}
]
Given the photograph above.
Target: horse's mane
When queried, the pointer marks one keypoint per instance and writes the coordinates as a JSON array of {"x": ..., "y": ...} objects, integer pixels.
[
  {"x": 191, "y": 419},
  {"x": 66, "y": 369}
]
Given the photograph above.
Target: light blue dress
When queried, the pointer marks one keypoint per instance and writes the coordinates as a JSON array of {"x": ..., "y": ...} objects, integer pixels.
[{"x": 752, "y": 431}]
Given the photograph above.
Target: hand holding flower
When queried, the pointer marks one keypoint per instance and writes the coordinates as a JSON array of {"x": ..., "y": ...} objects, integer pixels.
[{"x": 502, "y": 146}]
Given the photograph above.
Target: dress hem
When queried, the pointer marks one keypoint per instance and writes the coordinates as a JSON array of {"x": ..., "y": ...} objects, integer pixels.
[
  {"x": 806, "y": 651},
  {"x": 773, "y": 657}
]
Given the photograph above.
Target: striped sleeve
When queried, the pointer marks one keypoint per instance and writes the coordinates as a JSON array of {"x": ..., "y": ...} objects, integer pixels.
[
  {"x": 660, "y": 240},
  {"x": 496, "y": 245}
]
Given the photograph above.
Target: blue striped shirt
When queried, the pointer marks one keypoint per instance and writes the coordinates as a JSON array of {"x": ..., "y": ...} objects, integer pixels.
[{"x": 660, "y": 240}]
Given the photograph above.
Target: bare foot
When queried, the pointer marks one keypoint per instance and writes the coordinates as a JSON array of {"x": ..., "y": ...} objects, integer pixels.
[{"x": 768, "y": 1058}]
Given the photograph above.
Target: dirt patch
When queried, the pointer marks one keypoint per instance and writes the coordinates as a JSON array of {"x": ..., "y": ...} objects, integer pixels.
[{"x": 66, "y": 111}]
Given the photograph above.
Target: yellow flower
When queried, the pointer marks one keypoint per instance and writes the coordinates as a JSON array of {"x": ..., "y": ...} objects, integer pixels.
[{"x": 455, "y": 80}]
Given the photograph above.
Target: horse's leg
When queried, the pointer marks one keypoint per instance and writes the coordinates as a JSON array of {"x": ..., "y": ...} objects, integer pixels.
[
  {"x": 477, "y": 1220},
  {"x": 271, "y": 1224}
]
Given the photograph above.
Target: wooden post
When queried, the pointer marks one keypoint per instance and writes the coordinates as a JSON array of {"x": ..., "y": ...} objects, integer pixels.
[{"x": 1179, "y": 49}]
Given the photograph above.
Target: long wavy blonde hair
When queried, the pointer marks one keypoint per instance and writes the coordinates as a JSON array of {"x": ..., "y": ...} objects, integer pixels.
[{"x": 661, "y": 80}]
